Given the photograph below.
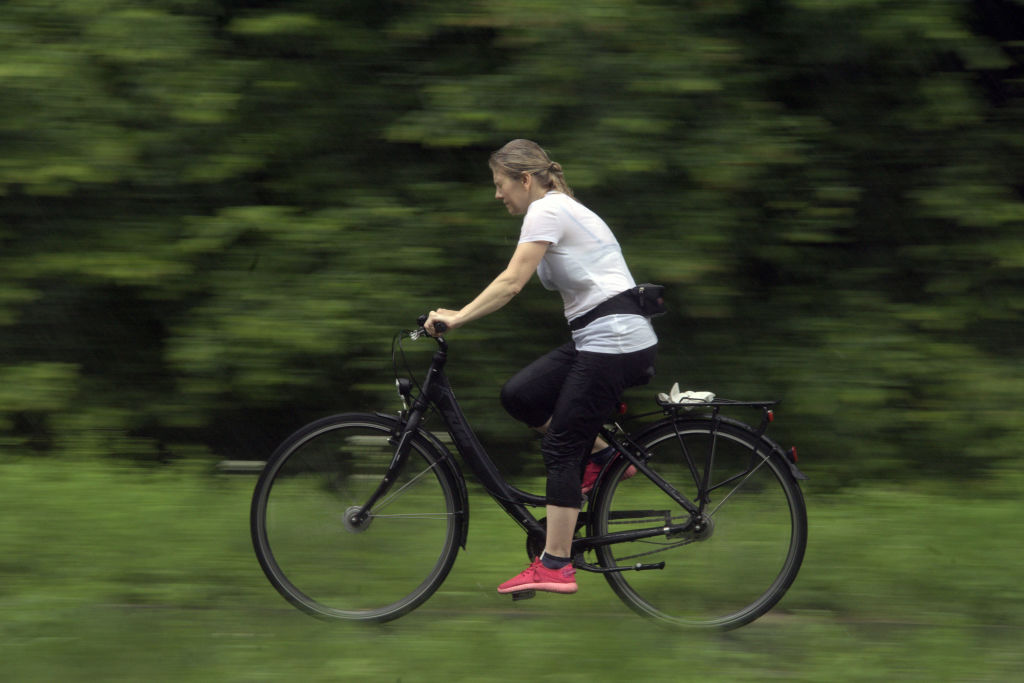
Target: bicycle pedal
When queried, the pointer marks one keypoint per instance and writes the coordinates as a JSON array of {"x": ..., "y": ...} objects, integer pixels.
[
  {"x": 644, "y": 567},
  {"x": 523, "y": 595}
]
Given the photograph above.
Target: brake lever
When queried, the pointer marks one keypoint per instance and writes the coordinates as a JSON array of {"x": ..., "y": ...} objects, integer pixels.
[{"x": 439, "y": 327}]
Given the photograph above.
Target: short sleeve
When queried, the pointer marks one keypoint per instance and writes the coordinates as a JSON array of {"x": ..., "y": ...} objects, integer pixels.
[{"x": 542, "y": 223}]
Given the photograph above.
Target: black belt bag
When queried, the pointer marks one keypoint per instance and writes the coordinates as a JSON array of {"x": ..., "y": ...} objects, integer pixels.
[{"x": 645, "y": 300}]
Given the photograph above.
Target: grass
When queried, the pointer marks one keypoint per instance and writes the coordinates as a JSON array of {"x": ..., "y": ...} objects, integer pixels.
[{"x": 112, "y": 574}]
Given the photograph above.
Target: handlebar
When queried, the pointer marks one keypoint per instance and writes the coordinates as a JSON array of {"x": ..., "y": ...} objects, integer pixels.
[{"x": 439, "y": 327}]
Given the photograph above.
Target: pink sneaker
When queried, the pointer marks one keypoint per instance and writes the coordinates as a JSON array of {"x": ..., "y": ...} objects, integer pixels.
[
  {"x": 593, "y": 469},
  {"x": 537, "y": 577}
]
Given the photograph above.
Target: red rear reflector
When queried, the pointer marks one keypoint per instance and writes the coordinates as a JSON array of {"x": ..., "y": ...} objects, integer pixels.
[
  {"x": 622, "y": 408},
  {"x": 792, "y": 454},
  {"x": 771, "y": 415}
]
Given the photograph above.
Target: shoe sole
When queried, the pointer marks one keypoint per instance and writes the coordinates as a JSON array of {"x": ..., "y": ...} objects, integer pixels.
[{"x": 564, "y": 588}]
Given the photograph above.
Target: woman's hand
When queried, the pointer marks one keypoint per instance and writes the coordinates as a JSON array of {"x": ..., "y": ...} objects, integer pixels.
[{"x": 444, "y": 315}]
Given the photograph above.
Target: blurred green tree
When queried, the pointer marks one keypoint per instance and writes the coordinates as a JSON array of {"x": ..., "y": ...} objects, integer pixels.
[{"x": 215, "y": 213}]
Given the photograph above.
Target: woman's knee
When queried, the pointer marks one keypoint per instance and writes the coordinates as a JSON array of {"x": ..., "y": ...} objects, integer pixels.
[
  {"x": 564, "y": 450},
  {"x": 516, "y": 403}
]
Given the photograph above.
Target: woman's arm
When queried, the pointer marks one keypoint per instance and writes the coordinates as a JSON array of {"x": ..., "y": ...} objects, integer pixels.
[{"x": 501, "y": 290}]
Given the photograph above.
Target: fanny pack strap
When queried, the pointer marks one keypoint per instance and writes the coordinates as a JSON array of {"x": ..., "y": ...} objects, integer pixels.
[{"x": 623, "y": 302}]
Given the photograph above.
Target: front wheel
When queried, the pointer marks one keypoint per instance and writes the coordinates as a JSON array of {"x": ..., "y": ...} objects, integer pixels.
[
  {"x": 744, "y": 550},
  {"x": 330, "y": 567}
]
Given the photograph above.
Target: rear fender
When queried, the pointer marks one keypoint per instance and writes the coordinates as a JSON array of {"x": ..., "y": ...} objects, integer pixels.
[
  {"x": 786, "y": 456},
  {"x": 771, "y": 446}
]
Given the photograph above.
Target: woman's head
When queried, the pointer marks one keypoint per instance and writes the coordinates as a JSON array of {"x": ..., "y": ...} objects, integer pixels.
[{"x": 521, "y": 158}]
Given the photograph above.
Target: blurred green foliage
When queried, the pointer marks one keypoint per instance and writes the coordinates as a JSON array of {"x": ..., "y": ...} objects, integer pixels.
[
  {"x": 215, "y": 213},
  {"x": 150, "y": 576}
]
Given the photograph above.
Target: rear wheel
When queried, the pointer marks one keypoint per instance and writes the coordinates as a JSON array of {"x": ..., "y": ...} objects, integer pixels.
[
  {"x": 743, "y": 551},
  {"x": 326, "y": 564}
]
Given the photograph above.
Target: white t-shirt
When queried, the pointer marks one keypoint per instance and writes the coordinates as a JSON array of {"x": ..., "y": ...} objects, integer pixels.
[{"x": 585, "y": 265}]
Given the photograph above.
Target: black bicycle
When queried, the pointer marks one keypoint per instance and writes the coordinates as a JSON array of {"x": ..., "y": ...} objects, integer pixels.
[{"x": 360, "y": 516}]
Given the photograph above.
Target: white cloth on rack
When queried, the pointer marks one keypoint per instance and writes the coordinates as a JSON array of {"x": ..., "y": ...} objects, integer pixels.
[{"x": 683, "y": 398}]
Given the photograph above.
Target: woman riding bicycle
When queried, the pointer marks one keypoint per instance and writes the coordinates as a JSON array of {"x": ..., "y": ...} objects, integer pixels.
[{"x": 570, "y": 392}]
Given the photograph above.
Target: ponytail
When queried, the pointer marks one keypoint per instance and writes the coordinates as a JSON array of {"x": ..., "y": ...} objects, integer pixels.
[{"x": 520, "y": 157}]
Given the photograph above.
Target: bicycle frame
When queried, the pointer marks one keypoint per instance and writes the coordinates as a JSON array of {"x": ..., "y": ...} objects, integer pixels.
[{"x": 437, "y": 391}]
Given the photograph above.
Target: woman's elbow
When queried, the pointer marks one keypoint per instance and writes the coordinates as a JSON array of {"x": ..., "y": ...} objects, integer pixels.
[{"x": 512, "y": 285}]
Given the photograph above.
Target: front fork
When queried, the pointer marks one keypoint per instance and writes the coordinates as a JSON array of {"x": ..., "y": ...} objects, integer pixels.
[
  {"x": 402, "y": 440},
  {"x": 402, "y": 437}
]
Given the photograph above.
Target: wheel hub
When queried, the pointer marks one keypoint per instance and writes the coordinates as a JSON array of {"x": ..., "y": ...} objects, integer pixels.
[
  {"x": 353, "y": 524},
  {"x": 703, "y": 528}
]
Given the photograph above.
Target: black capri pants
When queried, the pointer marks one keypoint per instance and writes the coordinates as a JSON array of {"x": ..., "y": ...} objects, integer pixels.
[{"x": 578, "y": 392}]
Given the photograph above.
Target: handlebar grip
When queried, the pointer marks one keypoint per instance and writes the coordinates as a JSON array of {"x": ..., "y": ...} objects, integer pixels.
[{"x": 439, "y": 327}]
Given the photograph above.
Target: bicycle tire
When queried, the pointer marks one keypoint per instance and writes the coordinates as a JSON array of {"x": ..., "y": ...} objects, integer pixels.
[
  {"x": 755, "y": 541},
  {"x": 317, "y": 559}
]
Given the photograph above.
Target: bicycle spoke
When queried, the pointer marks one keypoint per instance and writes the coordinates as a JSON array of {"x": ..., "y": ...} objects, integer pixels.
[
  {"x": 738, "y": 486},
  {"x": 384, "y": 502},
  {"x": 307, "y": 541},
  {"x": 734, "y": 562}
]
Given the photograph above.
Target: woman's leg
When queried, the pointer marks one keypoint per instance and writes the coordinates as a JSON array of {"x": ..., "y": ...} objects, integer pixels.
[
  {"x": 561, "y": 526},
  {"x": 530, "y": 395},
  {"x": 599, "y": 443},
  {"x": 588, "y": 397}
]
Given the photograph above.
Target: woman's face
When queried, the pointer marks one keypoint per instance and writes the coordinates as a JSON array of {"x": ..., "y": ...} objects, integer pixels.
[{"x": 513, "y": 192}]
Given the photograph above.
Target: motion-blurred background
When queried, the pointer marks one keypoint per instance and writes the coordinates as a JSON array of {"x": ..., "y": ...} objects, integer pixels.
[{"x": 214, "y": 214}]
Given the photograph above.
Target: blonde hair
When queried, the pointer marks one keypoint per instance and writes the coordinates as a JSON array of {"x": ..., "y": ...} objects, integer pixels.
[{"x": 520, "y": 157}]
